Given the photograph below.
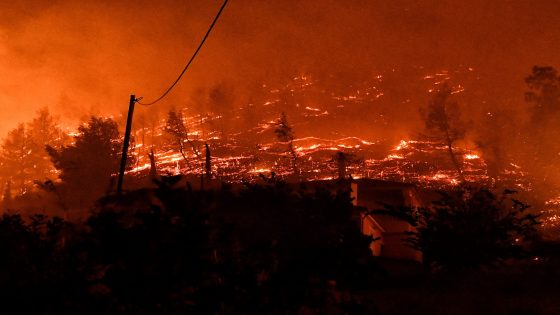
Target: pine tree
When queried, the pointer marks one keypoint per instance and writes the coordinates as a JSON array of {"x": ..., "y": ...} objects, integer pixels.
[
  {"x": 7, "y": 196},
  {"x": 343, "y": 160},
  {"x": 43, "y": 130},
  {"x": 442, "y": 119},
  {"x": 16, "y": 159},
  {"x": 92, "y": 159},
  {"x": 284, "y": 133}
]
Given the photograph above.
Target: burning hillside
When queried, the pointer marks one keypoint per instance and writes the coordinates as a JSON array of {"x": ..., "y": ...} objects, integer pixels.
[
  {"x": 333, "y": 130},
  {"x": 326, "y": 118}
]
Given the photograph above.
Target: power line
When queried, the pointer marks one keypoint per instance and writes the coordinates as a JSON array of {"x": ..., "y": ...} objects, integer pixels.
[{"x": 190, "y": 60}]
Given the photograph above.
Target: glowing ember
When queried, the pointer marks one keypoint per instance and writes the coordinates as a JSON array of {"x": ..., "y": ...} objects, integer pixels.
[
  {"x": 403, "y": 144},
  {"x": 471, "y": 156}
]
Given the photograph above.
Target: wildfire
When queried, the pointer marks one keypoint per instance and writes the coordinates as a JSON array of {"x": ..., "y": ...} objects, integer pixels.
[
  {"x": 260, "y": 170},
  {"x": 394, "y": 157},
  {"x": 402, "y": 145},
  {"x": 416, "y": 161},
  {"x": 471, "y": 156},
  {"x": 244, "y": 154}
]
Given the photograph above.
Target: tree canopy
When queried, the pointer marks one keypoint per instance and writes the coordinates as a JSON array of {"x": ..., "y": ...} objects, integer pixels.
[
  {"x": 23, "y": 158},
  {"x": 469, "y": 228},
  {"x": 92, "y": 158},
  {"x": 265, "y": 250},
  {"x": 17, "y": 159},
  {"x": 541, "y": 150},
  {"x": 442, "y": 120},
  {"x": 544, "y": 92}
]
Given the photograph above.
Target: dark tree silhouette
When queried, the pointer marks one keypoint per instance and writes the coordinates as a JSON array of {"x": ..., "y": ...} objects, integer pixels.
[
  {"x": 153, "y": 166},
  {"x": 285, "y": 134},
  {"x": 44, "y": 130},
  {"x": 23, "y": 158},
  {"x": 544, "y": 93},
  {"x": 442, "y": 119},
  {"x": 468, "y": 229},
  {"x": 36, "y": 267},
  {"x": 208, "y": 161},
  {"x": 87, "y": 165},
  {"x": 7, "y": 196},
  {"x": 17, "y": 160},
  {"x": 297, "y": 242},
  {"x": 267, "y": 249},
  {"x": 176, "y": 128},
  {"x": 540, "y": 137},
  {"x": 343, "y": 160}
]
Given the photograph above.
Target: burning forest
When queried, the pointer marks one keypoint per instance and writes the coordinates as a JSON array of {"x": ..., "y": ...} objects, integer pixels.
[{"x": 368, "y": 134}]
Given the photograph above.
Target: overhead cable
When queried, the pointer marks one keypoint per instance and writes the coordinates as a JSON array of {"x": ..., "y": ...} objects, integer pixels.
[{"x": 190, "y": 60}]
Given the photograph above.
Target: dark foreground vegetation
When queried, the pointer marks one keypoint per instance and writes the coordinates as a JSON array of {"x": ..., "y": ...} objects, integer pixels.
[{"x": 266, "y": 249}]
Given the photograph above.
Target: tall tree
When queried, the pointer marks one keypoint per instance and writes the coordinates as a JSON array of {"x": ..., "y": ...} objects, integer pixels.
[
  {"x": 343, "y": 160},
  {"x": 7, "y": 196},
  {"x": 24, "y": 158},
  {"x": 285, "y": 134},
  {"x": 208, "y": 161},
  {"x": 16, "y": 161},
  {"x": 442, "y": 119},
  {"x": 544, "y": 93},
  {"x": 87, "y": 165},
  {"x": 44, "y": 130},
  {"x": 153, "y": 167},
  {"x": 176, "y": 128},
  {"x": 541, "y": 149}
]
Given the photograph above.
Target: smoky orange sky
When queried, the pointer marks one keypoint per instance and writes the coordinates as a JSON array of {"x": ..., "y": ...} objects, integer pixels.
[{"x": 86, "y": 57}]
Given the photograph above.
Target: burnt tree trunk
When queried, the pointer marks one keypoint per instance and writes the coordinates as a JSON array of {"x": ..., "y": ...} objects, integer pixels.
[
  {"x": 208, "y": 162},
  {"x": 453, "y": 157},
  {"x": 153, "y": 168}
]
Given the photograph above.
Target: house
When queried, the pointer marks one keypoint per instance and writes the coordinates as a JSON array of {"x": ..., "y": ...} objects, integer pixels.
[{"x": 389, "y": 232}]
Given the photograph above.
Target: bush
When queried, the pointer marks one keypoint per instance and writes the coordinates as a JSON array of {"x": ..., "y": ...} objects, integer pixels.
[
  {"x": 266, "y": 250},
  {"x": 468, "y": 229}
]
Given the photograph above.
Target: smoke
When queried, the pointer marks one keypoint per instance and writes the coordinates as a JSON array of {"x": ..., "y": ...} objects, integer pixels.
[{"x": 88, "y": 56}]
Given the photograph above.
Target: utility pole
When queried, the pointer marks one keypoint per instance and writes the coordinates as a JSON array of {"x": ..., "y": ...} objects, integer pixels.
[{"x": 125, "y": 143}]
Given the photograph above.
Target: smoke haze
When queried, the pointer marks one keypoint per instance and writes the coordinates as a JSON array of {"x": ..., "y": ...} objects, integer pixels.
[{"x": 86, "y": 57}]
